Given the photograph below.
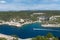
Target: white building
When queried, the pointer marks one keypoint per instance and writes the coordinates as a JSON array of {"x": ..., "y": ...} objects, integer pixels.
[
  {"x": 38, "y": 13},
  {"x": 21, "y": 20},
  {"x": 54, "y": 17},
  {"x": 43, "y": 18}
]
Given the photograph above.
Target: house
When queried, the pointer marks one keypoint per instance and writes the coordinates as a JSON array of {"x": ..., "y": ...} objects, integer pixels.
[
  {"x": 21, "y": 21},
  {"x": 43, "y": 18},
  {"x": 38, "y": 13},
  {"x": 1, "y": 21},
  {"x": 54, "y": 17}
]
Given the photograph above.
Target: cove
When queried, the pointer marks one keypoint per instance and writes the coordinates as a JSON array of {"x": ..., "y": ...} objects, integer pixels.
[{"x": 26, "y": 31}]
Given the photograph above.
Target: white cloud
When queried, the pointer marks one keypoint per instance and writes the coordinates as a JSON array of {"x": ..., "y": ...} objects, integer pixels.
[
  {"x": 32, "y": 7},
  {"x": 55, "y": 0},
  {"x": 2, "y": 1},
  {"x": 50, "y": 1},
  {"x": 22, "y": 6},
  {"x": 6, "y": 7},
  {"x": 46, "y": 7}
]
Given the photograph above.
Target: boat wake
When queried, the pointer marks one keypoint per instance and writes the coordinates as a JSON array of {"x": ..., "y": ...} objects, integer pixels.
[{"x": 36, "y": 29}]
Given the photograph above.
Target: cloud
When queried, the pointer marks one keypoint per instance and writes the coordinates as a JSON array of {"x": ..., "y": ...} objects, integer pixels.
[
  {"x": 7, "y": 7},
  {"x": 33, "y": 2},
  {"x": 30, "y": 5},
  {"x": 46, "y": 7},
  {"x": 2, "y": 1},
  {"x": 55, "y": 0},
  {"x": 51, "y": 0}
]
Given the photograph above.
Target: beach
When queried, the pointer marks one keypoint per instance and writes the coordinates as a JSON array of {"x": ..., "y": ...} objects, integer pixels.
[
  {"x": 11, "y": 38},
  {"x": 17, "y": 23},
  {"x": 50, "y": 25},
  {"x": 6, "y": 36}
]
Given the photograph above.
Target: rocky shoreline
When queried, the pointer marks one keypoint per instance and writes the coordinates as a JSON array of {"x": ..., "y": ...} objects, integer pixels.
[{"x": 16, "y": 23}]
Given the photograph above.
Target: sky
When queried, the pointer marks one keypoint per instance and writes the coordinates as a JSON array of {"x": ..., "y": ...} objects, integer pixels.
[{"x": 6, "y": 5}]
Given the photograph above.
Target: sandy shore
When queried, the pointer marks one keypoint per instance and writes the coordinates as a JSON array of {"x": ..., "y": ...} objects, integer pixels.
[
  {"x": 17, "y": 23},
  {"x": 6, "y": 36},
  {"x": 50, "y": 25},
  {"x": 11, "y": 38}
]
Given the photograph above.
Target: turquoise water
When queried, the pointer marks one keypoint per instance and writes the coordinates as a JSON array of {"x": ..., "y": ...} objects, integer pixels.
[{"x": 27, "y": 31}]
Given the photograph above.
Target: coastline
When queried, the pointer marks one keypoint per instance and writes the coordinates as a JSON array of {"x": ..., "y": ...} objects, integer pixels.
[
  {"x": 6, "y": 36},
  {"x": 50, "y": 25},
  {"x": 17, "y": 23},
  {"x": 11, "y": 37}
]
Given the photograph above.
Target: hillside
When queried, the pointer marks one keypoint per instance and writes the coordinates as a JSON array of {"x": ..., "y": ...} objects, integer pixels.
[{"x": 26, "y": 14}]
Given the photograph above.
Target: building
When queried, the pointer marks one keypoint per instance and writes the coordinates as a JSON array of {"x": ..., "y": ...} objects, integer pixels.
[
  {"x": 54, "y": 17},
  {"x": 21, "y": 20},
  {"x": 38, "y": 13},
  {"x": 43, "y": 18}
]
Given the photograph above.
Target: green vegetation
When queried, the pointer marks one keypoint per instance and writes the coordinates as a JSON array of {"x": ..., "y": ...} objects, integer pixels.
[
  {"x": 3, "y": 39},
  {"x": 47, "y": 37},
  {"x": 15, "y": 37},
  {"x": 8, "y": 15}
]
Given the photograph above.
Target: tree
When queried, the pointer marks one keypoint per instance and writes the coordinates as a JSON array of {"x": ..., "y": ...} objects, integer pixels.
[
  {"x": 39, "y": 38},
  {"x": 55, "y": 38},
  {"x": 3, "y": 39},
  {"x": 33, "y": 38},
  {"x": 49, "y": 35},
  {"x": 15, "y": 37}
]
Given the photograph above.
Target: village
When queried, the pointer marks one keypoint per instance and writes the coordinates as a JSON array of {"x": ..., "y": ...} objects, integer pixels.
[
  {"x": 15, "y": 23},
  {"x": 46, "y": 21}
]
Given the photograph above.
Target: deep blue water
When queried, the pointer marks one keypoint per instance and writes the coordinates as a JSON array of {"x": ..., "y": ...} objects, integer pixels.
[{"x": 27, "y": 31}]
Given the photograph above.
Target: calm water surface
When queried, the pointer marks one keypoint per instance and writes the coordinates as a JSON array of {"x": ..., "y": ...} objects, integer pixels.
[{"x": 27, "y": 31}]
